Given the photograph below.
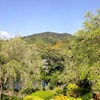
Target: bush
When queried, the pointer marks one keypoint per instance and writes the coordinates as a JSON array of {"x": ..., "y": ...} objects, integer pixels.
[
  {"x": 6, "y": 97},
  {"x": 16, "y": 98},
  {"x": 43, "y": 95},
  {"x": 72, "y": 90},
  {"x": 62, "y": 97},
  {"x": 87, "y": 96},
  {"x": 32, "y": 98},
  {"x": 29, "y": 90},
  {"x": 58, "y": 90}
]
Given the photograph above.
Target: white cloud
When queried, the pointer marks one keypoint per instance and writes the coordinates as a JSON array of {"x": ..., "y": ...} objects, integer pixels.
[{"x": 4, "y": 35}]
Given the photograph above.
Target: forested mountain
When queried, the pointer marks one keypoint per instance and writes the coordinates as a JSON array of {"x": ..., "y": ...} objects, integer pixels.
[{"x": 47, "y": 37}]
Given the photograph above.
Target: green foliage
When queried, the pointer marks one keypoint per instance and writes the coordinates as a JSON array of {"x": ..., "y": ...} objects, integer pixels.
[
  {"x": 87, "y": 96},
  {"x": 45, "y": 95},
  {"x": 56, "y": 58},
  {"x": 71, "y": 86},
  {"x": 32, "y": 98},
  {"x": 72, "y": 90},
  {"x": 46, "y": 38},
  {"x": 29, "y": 90},
  {"x": 54, "y": 80},
  {"x": 62, "y": 97},
  {"x": 87, "y": 47},
  {"x": 5, "y": 97},
  {"x": 39, "y": 95},
  {"x": 85, "y": 86},
  {"x": 17, "y": 63},
  {"x": 57, "y": 90}
]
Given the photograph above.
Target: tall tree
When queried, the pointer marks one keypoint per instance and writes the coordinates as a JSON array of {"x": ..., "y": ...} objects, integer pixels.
[
  {"x": 87, "y": 50},
  {"x": 19, "y": 62}
]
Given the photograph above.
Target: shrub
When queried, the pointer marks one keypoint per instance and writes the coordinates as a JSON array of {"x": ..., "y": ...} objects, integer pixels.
[
  {"x": 43, "y": 95},
  {"x": 62, "y": 97},
  {"x": 72, "y": 90},
  {"x": 6, "y": 97},
  {"x": 16, "y": 98},
  {"x": 87, "y": 96},
  {"x": 32, "y": 98},
  {"x": 29, "y": 90},
  {"x": 57, "y": 90}
]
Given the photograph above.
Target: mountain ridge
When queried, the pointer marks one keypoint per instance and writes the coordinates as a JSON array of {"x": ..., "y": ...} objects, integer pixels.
[{"x": 46, "y": 37}]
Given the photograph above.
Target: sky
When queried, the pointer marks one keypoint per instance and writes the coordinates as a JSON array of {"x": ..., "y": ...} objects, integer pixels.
[{"x": 26, "y": 17}]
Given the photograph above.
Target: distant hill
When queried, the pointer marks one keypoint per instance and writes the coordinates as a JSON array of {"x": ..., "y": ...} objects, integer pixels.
[{"x": 46, "y": 37}]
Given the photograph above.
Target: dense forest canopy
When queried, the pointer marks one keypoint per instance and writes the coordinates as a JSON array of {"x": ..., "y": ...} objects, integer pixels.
[{"x": 68, "y": 59}]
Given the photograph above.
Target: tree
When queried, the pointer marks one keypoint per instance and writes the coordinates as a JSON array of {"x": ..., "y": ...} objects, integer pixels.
[
  {"x": 60, "y": 63},
  {"x": 87, "y": 49},
  {"x": 20, "y": 62}
]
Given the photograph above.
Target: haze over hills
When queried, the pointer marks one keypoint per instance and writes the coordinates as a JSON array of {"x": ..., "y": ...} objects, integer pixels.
[{"x": 47, "y": 37}]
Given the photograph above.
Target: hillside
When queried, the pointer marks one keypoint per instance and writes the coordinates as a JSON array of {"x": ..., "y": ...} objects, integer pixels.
[{"x": 47, "y": 37}]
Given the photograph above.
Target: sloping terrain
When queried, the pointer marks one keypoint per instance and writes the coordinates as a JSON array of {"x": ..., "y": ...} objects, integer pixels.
[{"x": 46, "y": 37}]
